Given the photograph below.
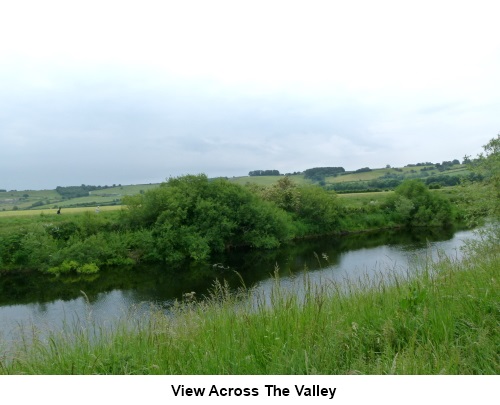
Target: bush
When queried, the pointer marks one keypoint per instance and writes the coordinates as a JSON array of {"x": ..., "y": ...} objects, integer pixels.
[
  {"x": 89, "y": 268},
  {"x": 68, "y": 266},
  {"x": 414, "y": 205},
  {"x": 191, "y": 217},
  {"x": 319, "y": 210}
]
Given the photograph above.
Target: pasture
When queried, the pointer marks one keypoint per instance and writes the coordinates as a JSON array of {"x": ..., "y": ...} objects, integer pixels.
[
  {"x": 267, "y": 180},
  {"x": 53, "y": 211},
  {"x": 48, "y": 200}
]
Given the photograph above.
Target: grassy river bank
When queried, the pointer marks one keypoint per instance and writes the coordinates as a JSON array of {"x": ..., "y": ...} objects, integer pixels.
[{"x": 446, "y": 320}]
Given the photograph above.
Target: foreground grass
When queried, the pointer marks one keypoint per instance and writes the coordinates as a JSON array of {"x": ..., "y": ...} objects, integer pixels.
[{"x": 445, "y": 320}]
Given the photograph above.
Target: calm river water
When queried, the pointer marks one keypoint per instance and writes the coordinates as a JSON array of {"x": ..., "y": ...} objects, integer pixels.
[{"x": 34, "y": 301}]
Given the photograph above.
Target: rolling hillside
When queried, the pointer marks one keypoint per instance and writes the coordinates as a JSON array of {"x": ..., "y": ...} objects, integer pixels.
[{"x": 363, "y": 180}]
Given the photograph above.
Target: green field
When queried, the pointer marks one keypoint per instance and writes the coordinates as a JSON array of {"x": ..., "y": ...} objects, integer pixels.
[
  {"x": 406, "y": 172},
  {"x": 363, "y": 176},
  {"x": 362, "y": 199},
  {"x": 53, "y": 211},
  {"x": 25, "y": 199},
  {"x": 48, "y": 200},
  {"x": 267, "y": 180}
]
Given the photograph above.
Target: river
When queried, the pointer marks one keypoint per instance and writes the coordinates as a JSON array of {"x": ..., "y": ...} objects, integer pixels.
[{"x": 35, "y": 302}]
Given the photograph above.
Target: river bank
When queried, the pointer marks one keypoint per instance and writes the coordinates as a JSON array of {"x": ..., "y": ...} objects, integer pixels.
[{"x": 443, "y": 320}]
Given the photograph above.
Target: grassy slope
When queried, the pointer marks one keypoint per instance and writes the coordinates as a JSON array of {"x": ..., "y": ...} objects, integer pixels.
[
  {"x": 10, "y": 199},
  {"x": 267, "y": 180},
  {"x": 406, "y": 171},
  {"x": 352, "y": 177},
  {"x": 52, "y": 199}
]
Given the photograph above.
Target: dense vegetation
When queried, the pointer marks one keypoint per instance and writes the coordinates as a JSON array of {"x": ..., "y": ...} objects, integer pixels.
[
  {"x": 192, "y": 217},
  {"x": 319, "y": 173},
  {"x": 76, "y": 191}
]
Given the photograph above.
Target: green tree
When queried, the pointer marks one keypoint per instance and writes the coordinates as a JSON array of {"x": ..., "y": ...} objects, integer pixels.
[
  {"x": 414, "y": 205},
  {"x": 314, "y": 210},
  {"x": 191, "y": 217},
  {"x": 484, "y": 196},
  {"x": 284, "y": 193},
  {"x": 319, "y": 210}
]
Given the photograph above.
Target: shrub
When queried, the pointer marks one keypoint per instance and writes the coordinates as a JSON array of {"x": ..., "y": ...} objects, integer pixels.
[
  {"x": 414, "y": 205},
  {"x": 68, "y": 266},
  {"x": 191, "y": 217},
  {"x": 89, "y": 268},
  {"x": 319, "y": 210}
]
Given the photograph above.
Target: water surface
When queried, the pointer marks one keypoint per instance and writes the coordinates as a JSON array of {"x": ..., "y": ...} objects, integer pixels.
[{"x": 38, "y": 302}]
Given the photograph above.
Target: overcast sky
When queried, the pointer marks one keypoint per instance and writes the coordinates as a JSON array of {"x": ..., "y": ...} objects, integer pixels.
[{"x": 125, "y": 92}]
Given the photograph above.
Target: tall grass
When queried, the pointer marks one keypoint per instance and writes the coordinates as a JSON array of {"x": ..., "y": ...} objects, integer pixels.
[{"x": 444, "y": 320}]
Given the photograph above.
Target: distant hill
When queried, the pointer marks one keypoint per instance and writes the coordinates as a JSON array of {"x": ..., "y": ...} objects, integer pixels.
[{"x": 365, "y": 179}]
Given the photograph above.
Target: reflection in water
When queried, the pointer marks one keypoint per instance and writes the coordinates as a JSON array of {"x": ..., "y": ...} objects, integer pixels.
[
  {"x": 365, "y": 265},
  {"x": 43, "y": 303}
]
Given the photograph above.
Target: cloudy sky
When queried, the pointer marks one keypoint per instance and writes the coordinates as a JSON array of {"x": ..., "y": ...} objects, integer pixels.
[{"x": 102, "y": 92}]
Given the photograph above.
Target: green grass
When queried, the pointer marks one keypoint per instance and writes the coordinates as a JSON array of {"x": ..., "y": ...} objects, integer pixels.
[
  {"x": 52, "y": 211},
  {"x": 24, "y": 199},
  {"x": 363, "y": 176},
  {"x": 353, "y": 177},
  {"x": 444, "y": 320},
  {"x": 12, "y": 221},
  {"x": 268, "y": 180},
  {"x": 364, "y": 199}
]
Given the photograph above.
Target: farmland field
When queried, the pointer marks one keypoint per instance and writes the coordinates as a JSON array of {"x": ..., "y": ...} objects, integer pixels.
[
  {"x": 53, "y": 211},
  {"x": 267, "y": 180},
  {"x": 361, "y": 199},
  {"x": 49, "y": 200}
]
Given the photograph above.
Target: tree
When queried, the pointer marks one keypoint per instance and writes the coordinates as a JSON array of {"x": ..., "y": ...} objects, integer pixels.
[
  {"x": 414, "y": 205},
  {"x": 284, "y": 193},
  {"x": 319, "y": 173},
  {"x": 485, "y": 195},
  {"x": 319, "y": 210},
  {"x": 191, "y": 217},
  {"x": 264, "y": 173},
  {"x": 314, "y": 210}
]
